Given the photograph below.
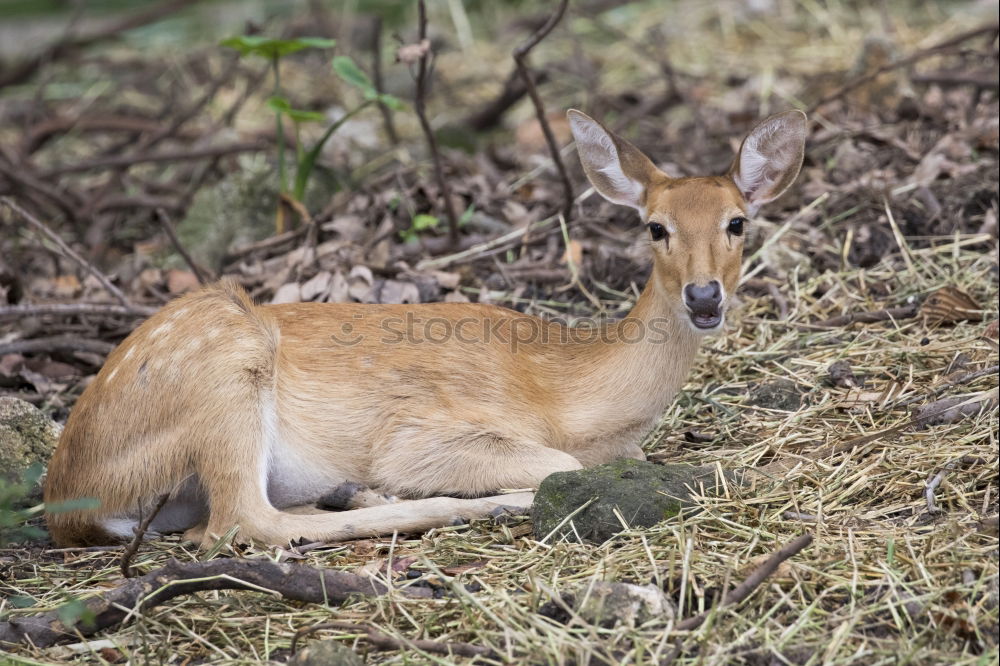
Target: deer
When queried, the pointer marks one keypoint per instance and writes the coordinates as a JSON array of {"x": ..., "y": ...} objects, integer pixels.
[{"x": 234, "y": 417}]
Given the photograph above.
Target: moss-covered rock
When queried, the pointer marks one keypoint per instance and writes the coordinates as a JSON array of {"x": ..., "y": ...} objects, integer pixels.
[
  {"x": 27, "y": 437},
  {"x": 326, "y": 653},
  {"x": 238, "y": 209},
  {"x": 643, "y": 494}
]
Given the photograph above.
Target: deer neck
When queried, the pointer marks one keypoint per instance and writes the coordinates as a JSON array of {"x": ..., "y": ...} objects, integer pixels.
[{"x": 632, "y": 372}]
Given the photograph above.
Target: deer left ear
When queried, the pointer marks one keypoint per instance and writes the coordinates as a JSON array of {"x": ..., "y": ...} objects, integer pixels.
[{"x": 770, "y": 158}]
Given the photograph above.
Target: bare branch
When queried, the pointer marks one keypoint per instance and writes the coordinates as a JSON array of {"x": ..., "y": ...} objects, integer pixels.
[
  {"x": 140, "y": 531},
  {"x": 168, "y": 228},
  {"x": 758, "y": 576},
  {"x": 521, "y": 60},
  {"x": 57, "y": 342},
  {"x": 989, "y": 28},
  {"x": 111, "y": 608},
  {"x": 9, "y": 312},
  {"x": 419, "y": 106},
  {"x": 67, "y": 250}
]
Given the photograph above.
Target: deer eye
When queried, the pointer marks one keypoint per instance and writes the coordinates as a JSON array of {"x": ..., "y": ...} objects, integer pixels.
[
  {"x": 657, "y": 231},
  {"x": 736, "y": 226}
]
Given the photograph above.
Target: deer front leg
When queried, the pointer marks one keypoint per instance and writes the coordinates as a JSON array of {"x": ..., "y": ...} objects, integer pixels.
[{"x": 462, "y": 461}]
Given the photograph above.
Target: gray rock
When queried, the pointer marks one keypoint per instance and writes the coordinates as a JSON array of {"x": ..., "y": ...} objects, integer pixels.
[
  {"x": 781, "y": 394},
  {"x": 643, "y": 493},
  {"x": 326, "y": 653},
  {"x": 608, "y": 604},
  {"x": 27, "y": 437}
]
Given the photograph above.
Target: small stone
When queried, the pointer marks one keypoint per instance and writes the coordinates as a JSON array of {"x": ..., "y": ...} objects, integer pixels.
[
  {"x": 27, "y": 437},
  {"x": 781, "y": 394},
  {"x": 608, "y": 604},
  {"x": 842, "y": 375},
  {"x": 642, "y": 493},
  {"x": 326, "y": 653}
]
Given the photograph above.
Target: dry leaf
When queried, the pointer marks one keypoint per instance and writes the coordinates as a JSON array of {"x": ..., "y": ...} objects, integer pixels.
[
  {"x": 179, "y": 282},
  {"x": 338, "y": 290},
  {"x": 288, "y": 293},
  {"x": 949, "y": 305},
  {"x": 316, "y": 286},
  {"x": 411, "y": 53},
  {"x": 949, "y": 410},
  {"x": 360, "y": 282},
  {"x": 396, "y": 291}
]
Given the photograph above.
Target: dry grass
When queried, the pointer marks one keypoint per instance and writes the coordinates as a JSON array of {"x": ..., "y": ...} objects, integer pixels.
[{"x": 885, "y": 580}]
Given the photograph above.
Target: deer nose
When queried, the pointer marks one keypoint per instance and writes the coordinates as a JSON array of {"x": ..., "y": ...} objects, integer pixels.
[{"x": 703, "y": 299}]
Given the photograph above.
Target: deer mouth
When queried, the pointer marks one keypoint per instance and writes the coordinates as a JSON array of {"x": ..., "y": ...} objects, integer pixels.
[{"x": 706, "y": 321}]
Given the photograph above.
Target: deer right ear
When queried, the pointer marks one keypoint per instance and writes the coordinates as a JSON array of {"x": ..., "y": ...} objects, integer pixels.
[
  {"x": 617, "y": 169},
  {"x": 770, "y": 158}
]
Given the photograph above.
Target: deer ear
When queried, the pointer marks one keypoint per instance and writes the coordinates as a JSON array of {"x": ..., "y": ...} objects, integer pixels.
[
  {"x": 770, "y": 158},
  {"x": 617, "y": 169}
]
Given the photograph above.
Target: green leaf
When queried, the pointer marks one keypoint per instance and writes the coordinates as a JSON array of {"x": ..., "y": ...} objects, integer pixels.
[
  {"x": 74, "y": 611},
  {"x": 467, "y": 215},
  {"x": 21, "y": 601},
  {"x": 423, "y": 221},
  {"x": 346, "y": 69},
  {"x": 392, "y": 102},
  {"x": 281, "y": 105},
  {"x": 80, "y": 504},
  {"x": 270, "y": 48}
]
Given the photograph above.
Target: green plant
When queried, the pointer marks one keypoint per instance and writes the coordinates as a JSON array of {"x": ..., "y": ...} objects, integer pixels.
[
  {"x": 14, "y": 514},
  {"x": 343, "y": 66},
  {"x": 424, "y": 222},
  {"x": 16, "y": 507}
]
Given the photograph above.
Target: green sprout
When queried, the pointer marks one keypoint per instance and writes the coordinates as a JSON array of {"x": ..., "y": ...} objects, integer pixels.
[{"x": 343, "y": 66}]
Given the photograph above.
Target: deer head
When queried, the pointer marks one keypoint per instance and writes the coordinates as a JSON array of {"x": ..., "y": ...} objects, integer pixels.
[{"x": 696, "y": 226}]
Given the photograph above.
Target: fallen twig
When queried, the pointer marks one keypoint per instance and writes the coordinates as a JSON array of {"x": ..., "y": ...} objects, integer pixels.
[
  {"x": 57, "y": 342},
  {"x": 11, "y": 312},
  {"x": 902, "y": 62},
  {"x": 490, "y": 114},
  {"x": 926, "y": 416},
  {"x": 55, "y": 238},
  {"x": 135, "y": 595},
  {"x": 963, "y": 379},
  {"x": 419, "y": 106},
  {"x": 520, "y": 55},
  {"x": 953, "y": 79},
  {"x": 886, "y": 314},
  {"x": 140, "y": 531},
  {"x": 22, "y": 71},
  {"x": 117, "y": 161},
  {"x": 67, "y": 201},
  {"x": 168, "y": 228},
  {"x": 381, "y": 641},
  {"x": 936, "y": 480},
  {"x": 758, "y": 576}
]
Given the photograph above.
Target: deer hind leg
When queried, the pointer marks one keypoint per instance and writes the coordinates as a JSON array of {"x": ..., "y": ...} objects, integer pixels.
[{"x": 463, "y": 461}]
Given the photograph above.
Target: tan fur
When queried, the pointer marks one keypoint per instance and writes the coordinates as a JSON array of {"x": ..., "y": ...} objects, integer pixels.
[{"x": 241, "y": 411}]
